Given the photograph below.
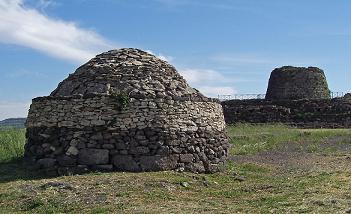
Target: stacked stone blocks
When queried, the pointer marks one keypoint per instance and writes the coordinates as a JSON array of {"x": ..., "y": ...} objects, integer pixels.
[
  {"x": 292, "y": 83},
  {"x": 166, "y": 127}
]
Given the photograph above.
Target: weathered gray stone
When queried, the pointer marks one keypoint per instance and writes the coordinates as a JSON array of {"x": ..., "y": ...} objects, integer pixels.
[
  {"x": 72, "y": 151},
  {"x": 186, "y": 158},
  {"x": 46, "y": 163},
  {"x": 108, "y": 167},
  {"x": 108, "y": 146},
  {"x": 347, "y": 96},
  {"x": 139, "y": 150},
  {"x": 322, "y": 113},
  {"x": 125, "y": 110},
  {"x": 157, "y": 163},
  {"x": 125, "y": 163},
  {"x": 66, "y": 161},
  {"x": 93, "y": 156},
  {"x": 197, "y": 167},
  {"x": 293, "y": 83},
  {"x": 120, "y": 146},
  {"x": 79, "y": 169}
]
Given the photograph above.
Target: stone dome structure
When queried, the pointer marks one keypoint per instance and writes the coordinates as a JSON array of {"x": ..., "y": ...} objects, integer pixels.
[
  {"x": 125, "y": 110},
  {"x": 291, "y": 83},
  {"x": 130, "y": 71}
]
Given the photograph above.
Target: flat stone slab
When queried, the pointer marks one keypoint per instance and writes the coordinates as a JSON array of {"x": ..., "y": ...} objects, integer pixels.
[
  {"x": 93, "y": 156},
  {"x": 125, "y": 163}
]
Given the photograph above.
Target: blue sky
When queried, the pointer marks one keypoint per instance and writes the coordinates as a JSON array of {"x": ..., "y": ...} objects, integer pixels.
[{"x": 220, "y": 46}]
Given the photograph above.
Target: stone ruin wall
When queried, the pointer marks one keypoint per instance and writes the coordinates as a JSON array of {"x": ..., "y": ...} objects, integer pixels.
[
  {"x": 295, "y": 96},
  {"x": 69, "y": 135},
  {"x": 293, "y": 83},
  {"x": 322, "y": 113}
]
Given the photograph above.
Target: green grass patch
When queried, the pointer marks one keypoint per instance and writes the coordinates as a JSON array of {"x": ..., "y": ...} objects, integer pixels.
[
  {"x": 247, "y": 187},
  {"x": 100, "y": 210},
  {"x": 251, "y": 139},
  {"x": 11, "y": 144}
]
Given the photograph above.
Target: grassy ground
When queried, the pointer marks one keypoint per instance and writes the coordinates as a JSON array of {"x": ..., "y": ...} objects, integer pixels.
[
  {"x": 250, "y": 139},
  {"x": 272, "y": 169},
  {"x": 11, "y": 144}
]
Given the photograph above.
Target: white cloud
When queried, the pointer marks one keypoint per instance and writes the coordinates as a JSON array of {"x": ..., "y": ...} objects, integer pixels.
[
  {"x": 165, "y": 58},
  {"x": 209, "y": 82},
  {"x": 201, "y": 75},
  {"x": 43, "y": 4},
  {"x": 214, "y": 91},
  {"x": 161, "y": 56},
  {"x": 30, "y": 28},
  {"x": 13, "y": 109}
]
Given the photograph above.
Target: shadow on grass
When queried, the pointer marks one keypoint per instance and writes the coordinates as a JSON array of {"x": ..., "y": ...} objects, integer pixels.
[{"x": 16, "y": 170}]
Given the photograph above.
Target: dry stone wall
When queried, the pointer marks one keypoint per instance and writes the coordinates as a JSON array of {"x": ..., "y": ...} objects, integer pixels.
[
  {"x": 130, "y": 71},
  {"x": 322, "y": 113},
  {"x": 347, "y": 96},
  {"x": 295, "y": 96},
  {"x": 68, "y": 135},
  {"x": 125, "y": 110},
  {"x": 292, "y": 83}
]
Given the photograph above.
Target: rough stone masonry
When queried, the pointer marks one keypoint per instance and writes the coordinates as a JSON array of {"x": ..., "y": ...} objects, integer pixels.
[
  {"x": 295, "y": 96},
  {"x": 292, "y": 83},
  {"x": 125, "y": 110}
]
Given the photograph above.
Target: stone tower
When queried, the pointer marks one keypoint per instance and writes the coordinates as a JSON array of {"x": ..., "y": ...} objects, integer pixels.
[
  {"x": 297, "y": 83},
  {"x": 125, "y": 110}
]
